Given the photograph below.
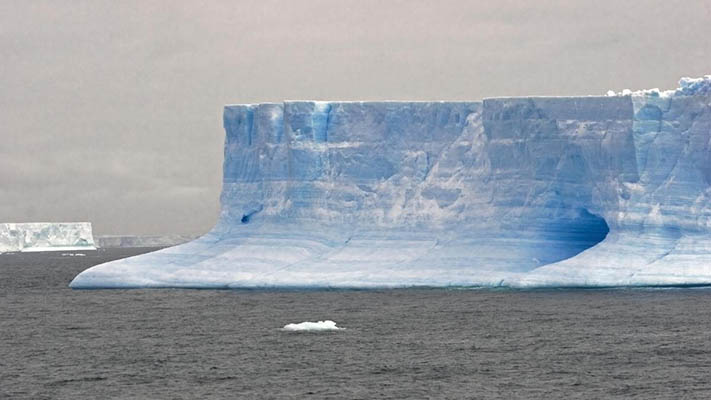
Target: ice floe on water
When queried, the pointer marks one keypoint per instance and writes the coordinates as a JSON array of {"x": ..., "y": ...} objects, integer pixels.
[{"x": 312, "y": 326}]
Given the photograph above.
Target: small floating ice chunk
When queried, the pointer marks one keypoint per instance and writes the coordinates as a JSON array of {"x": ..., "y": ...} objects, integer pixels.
[{"x": 313, "y": 326}]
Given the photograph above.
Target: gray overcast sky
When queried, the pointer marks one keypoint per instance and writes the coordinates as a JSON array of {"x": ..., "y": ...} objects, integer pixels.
[{"x": 110, "y": 111}]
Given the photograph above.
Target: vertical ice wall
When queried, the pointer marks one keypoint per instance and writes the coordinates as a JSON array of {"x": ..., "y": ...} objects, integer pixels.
[{"x": 661, "y": 233}]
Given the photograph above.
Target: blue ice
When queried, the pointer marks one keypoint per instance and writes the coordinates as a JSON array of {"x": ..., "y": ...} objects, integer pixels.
[{"x": 520, "y": 192}]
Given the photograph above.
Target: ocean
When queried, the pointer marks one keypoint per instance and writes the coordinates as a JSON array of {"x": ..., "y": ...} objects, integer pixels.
[{"x": 58, "y": 343}]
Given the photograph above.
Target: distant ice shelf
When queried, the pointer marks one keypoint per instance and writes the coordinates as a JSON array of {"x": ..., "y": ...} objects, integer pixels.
[
  {"x": 45, "y": 236},
  {"x": 521, "y": 192},
  {"x": 134, "y": 241}
]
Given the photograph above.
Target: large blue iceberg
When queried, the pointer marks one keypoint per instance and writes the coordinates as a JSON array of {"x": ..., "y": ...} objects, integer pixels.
[{"x": 519, "y": 192}]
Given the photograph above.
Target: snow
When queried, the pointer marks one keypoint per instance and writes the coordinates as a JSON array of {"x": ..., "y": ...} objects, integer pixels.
[
  {"x": 687, "y": 87},
  {"x": 690, "y": 86},
  {"x": 519, "y": 192},
  {"x": 45, "y": 236},
  {"x": 312, "y": 326}
]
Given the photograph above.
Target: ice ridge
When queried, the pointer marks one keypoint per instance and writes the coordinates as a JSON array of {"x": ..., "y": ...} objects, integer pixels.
[
  {"x": 520, "y": 192},
  {"x": 687, "y": 87}
]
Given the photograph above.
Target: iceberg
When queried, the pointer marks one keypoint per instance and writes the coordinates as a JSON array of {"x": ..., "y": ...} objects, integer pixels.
[
  {"x": 312, "y": 326},
  {"x": 46, "y": 236},
  {"x": 591, "y": 191}
]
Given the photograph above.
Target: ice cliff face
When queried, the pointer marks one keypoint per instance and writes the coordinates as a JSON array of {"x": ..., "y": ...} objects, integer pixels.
[
  {"x": 32, "y": 237},
  {"x": 580, "y": 191}
]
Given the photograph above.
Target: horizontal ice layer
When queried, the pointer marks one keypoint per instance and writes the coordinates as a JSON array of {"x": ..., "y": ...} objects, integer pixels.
[
  {"x": 45, "y": 236},
  {"x": 524, "y": 192}
]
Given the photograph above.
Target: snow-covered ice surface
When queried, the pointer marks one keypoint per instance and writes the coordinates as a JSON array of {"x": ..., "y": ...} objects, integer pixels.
[
  {"x": 312, "y": 326},
  {"x": 45, "y": 236},
  {"x": 519, "y": 192}
]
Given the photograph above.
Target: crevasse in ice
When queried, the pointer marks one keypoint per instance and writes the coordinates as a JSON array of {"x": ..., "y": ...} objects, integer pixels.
[{"x": 521, "y": 192}]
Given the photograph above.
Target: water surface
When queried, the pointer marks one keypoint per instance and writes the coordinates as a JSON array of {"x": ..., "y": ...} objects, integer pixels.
[{"x": 56, "y": 343}]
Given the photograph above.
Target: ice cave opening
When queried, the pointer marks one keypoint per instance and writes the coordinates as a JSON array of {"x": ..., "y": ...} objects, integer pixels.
[{"x": 569, "y": 236}]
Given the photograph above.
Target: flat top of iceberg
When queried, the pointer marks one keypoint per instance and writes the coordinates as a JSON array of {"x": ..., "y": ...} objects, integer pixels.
[{"x": 36, "y": 224}]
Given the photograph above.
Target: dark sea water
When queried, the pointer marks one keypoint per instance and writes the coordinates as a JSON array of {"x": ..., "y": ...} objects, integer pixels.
[{"x": 56, "y": 343}]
